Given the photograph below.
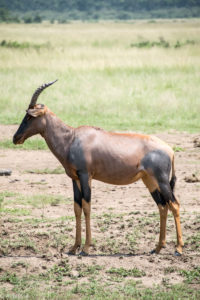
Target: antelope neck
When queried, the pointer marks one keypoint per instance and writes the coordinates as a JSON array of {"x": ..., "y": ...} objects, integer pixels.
[{"x": 58, "y": 136}]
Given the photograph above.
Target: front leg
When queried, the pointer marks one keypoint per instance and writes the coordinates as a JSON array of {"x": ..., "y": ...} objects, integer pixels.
[
  {"x": 78, "y": 212},
  {"x": 86, "y": 210},
  {"x": 85, "y": 182}
]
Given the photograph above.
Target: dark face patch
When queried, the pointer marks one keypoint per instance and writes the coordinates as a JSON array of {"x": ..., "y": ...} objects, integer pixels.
[{"x": 19, "y": 136}]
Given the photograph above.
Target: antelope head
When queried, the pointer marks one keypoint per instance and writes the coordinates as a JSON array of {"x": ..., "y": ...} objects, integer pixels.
[{"x": 33, "y": 121}]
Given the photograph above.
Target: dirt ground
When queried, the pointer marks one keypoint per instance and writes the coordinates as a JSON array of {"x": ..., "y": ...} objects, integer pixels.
[{"x": 125, "y": 219}]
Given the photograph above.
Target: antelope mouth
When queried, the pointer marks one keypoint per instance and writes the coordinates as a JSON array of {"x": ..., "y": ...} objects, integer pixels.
[{"x": 18, "y": 140}]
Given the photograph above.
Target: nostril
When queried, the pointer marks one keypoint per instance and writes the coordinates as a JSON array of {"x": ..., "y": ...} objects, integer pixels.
[{"x": 16, "y": 138}]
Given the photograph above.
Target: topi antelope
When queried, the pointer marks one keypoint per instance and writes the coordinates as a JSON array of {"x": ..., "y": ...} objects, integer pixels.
[{"x": 88, "y": 153}]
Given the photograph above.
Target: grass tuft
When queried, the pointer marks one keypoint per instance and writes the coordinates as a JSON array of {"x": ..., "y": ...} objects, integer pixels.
[
  {"x": 30, "y": 144},
  {"x": 163, "y": 43},
  {"x": 23, "y": 45},
  {"x": 58, "y": 170},
  {"x": 126, "y": 272},
  {"x": 191, "y": 276}
]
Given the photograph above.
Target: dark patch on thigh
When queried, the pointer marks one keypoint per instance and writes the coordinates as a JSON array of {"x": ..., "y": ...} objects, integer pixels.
[
  {"x": 77, "y": 194},
  {"x": 159, "y": 163},
  {"x": 158, "y": 198}
]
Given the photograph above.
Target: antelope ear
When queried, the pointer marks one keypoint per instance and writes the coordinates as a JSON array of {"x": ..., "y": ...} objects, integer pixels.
[{"x": 36, "y": 112}]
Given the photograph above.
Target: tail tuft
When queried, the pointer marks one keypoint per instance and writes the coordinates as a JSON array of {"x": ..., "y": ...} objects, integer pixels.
[{"x": 173, "y": 182}]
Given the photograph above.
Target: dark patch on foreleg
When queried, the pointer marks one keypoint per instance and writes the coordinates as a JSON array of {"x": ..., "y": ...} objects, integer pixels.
[
  {"x": 77, "y": 193},
  {"x": 85, "y": 183},
  {"x": 85, "y": 186}
]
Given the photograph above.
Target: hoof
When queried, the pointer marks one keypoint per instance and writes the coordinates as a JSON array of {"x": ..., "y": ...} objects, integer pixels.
[
  {"x": 176, "y": 253},
  {"x": 153, "y": 251},
  {"x": 83, "y": 253},
  {"x": 71, "y": 252}
]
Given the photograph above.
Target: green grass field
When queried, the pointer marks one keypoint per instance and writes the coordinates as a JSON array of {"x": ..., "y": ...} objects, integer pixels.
[{"x": 140, "y": 76}]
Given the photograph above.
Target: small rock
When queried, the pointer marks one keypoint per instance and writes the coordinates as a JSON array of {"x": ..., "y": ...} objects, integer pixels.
[
  {"x": 5, "y": 172},
  {"x": 192, "y": 178},
  {"x": 44, "y": 267},
  {"x": 47, "y": 257},
  {"x": 4, "y": 232},
  {"x": 14, "y": 180},
  {"x": 74, "y": 273},
  {"x": 196, "y": 142}
]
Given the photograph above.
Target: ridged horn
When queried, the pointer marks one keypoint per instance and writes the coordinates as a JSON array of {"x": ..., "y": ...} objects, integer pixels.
[{"x": 38, "y": 92}]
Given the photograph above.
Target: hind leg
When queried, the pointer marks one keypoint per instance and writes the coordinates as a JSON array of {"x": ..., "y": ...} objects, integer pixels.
[
  {"x": 163, "y": 210},
  {"x": 152, "y": 185},
  {"x": 157, "y": 165},
  {"x": 174, "y": 207},
  {"x": 164, "y": 198}
]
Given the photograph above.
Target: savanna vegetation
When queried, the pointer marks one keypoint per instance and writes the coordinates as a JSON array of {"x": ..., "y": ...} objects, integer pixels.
[{"x": 137, "y": 76}]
